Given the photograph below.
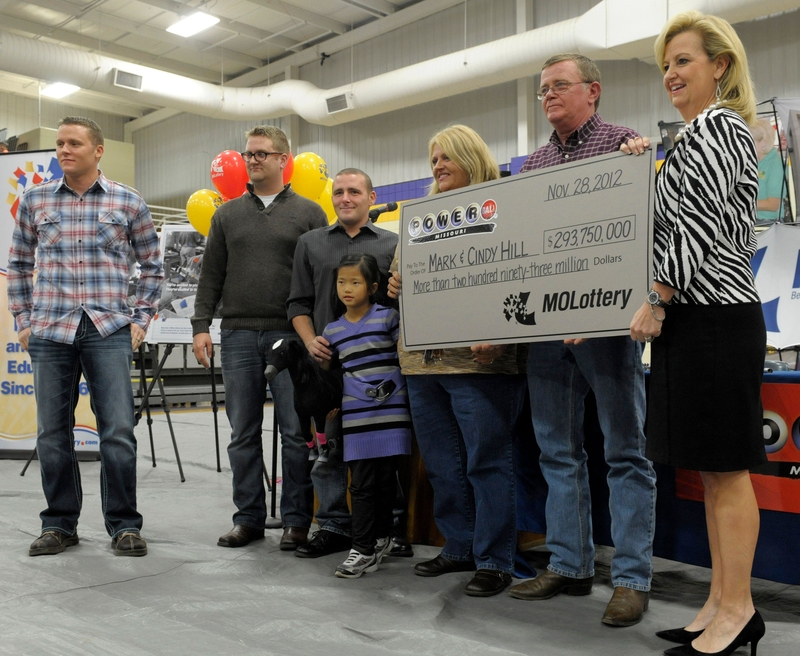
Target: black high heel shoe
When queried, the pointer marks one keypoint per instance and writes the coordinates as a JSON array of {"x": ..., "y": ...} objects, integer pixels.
[
  {"x": 681, "y": 636},
  {"x": 752, "y": 632}
]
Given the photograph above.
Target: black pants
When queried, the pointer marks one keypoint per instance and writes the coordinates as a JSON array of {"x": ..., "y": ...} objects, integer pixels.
[{"x": 373, "y": 487}]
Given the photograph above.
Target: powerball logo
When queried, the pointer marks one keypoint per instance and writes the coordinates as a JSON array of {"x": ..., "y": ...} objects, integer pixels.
[
  {"x": 457, "y": 222},
  {"x": 28, "y": 176}
]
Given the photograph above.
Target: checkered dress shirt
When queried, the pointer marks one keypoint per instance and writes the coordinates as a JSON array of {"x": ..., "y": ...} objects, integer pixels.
[
  {"x": 84, "y": 248},
  {"x": 595, "y": 137}
]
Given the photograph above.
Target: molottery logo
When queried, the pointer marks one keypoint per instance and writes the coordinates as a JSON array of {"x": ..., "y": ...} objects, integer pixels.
[
  {"x": 457, "y": 222},
  {"x": 516, "y": 307}
]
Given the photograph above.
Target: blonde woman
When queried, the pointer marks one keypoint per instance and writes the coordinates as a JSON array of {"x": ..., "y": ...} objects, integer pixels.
[
  {"x": 704, "y": 409},
  {"x": 464, "y": 403}
]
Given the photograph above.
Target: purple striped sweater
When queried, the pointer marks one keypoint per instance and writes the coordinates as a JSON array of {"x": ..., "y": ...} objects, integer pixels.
[{"x": 368, "y": 353}]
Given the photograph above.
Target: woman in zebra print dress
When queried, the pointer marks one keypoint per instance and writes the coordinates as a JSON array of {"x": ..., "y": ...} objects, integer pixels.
[{"x": 704, "y": 318}]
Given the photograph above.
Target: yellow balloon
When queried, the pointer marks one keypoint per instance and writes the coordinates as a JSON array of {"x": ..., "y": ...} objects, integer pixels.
[
  {"x": 325, "y": 201},
  {"x": 310, "y": 175},
  {"x": 201, "y": 207}
]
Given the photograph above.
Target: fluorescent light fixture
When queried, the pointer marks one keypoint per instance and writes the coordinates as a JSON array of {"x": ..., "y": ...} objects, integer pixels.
[
  {"x": 193, "y": 24},
  {"x": 59, "y": 90}
]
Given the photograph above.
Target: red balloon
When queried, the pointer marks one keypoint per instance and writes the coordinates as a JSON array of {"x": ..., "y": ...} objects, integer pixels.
[
  {"x": 288, "y": 170},
  {"x": 229, "y": 174}
]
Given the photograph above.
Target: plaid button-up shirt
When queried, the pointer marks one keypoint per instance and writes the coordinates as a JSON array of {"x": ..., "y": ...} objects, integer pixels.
[
  {"x": 84, "y": 248},
  {"x": 594, "y": 137}
]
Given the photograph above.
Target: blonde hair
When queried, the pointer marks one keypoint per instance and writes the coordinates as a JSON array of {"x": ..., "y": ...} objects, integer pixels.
[
  {"x": 468, "y": 151},
  {"x": 719, "y": 40}
]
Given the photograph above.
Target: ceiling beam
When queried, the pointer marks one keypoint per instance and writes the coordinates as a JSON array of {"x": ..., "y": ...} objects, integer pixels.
[
  {"x": 111, "y": 49},
  {"x": 370, "y": 30},
  {"x": 143, "y": 30},
  {"x": 379, "y": 8},
  {"x": 283, "y": 7},
  {"x": 88, "y": 99},
  {"x": 233, "y": 26}
]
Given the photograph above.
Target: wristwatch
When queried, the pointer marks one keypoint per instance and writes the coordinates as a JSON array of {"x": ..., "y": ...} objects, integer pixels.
[{"x": 654, "y": 298}]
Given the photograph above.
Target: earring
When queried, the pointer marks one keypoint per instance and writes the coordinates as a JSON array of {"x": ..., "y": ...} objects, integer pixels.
[{"x": 718, "y": 94}]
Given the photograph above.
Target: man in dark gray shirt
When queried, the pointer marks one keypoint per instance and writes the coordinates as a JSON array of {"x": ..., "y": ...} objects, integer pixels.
[
  {"x": 309, "y": 308},
  {"x": 248, "y": 266}
]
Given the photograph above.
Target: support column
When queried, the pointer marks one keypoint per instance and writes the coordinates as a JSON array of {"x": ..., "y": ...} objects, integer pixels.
[{"x": 524, "y": 20}]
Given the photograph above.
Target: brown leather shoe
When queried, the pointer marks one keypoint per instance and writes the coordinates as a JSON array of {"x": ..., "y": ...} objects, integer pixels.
[
  {"x": 293, "y": 537},
  {"x": 129, "y": 543},
  {"x": 52, "y": 542},
  {"x": 549, "y": 584},
  {"x": 626, "y": 607},
  {"x": 240, "y": 535}
]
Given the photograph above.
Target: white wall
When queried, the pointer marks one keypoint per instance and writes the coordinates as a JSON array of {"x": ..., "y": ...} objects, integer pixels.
[
  {"x": 21, "y": 114},
  {"x": 173, "y": 157}
]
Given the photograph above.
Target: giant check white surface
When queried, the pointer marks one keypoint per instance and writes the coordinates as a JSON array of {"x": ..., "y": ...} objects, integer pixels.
[{"x": 560, "y": 252}]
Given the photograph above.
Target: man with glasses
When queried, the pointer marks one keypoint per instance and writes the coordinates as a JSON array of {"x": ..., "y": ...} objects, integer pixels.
[
  {"x": 560, "y": 375},
  {"x": 248, "y": 266}
]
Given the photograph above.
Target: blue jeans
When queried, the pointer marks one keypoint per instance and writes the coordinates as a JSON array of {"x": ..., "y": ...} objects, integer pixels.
[
  {"x": 463, "y": 424},
  {"x": 244, "y": 358},
  {"x": 330, "y": 483},
  {"x": 559, "y": 378},
  {"x": 57, "y": 369}
]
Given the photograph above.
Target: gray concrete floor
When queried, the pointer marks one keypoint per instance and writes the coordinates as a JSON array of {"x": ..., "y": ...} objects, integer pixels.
[{"x": 188, "y": 596}]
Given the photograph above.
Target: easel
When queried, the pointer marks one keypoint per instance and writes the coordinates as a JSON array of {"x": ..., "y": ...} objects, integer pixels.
[
  {"x": 785, "y": 197},
  {"x": 274, "y": 522},
  {"x": 144, "y": 404}
]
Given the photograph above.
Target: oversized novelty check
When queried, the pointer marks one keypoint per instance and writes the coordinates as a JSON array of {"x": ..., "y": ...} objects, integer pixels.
[{"x": 561, "y": 252}]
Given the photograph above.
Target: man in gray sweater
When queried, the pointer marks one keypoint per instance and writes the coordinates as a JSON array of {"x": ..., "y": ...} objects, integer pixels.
[{"x": 248, "y": 266}]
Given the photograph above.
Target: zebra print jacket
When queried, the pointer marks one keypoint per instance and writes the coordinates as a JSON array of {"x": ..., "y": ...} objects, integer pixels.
[{"x": 705, "y": 212}]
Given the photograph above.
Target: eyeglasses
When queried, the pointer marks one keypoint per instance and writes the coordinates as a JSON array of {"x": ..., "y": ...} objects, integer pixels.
[
  {"x": 259, "y": 156},
  {"x": 558, "y": 88}
]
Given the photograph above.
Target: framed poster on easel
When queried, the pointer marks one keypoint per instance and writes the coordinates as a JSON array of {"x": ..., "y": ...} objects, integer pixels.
[{"x": 182, "y": 248}]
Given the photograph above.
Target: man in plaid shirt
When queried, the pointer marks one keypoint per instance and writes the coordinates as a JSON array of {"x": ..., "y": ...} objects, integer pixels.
[
  {"x": 560, "y": 375},
  {"x": 80, "y": 232}
]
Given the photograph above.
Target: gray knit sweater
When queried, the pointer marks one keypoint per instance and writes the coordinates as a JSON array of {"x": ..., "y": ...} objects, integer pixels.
[{"x": 248, "y": 261}]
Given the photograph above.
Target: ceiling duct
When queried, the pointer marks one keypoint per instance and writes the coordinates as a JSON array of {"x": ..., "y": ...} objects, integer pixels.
[
  {"x": 126, "y": 80},
  {"x": 602, "y": 33},
  {"x": 337, "y": 103}
]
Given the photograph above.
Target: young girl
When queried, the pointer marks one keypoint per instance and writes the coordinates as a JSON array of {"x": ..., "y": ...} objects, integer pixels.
[{"x": 375, "y": 420}]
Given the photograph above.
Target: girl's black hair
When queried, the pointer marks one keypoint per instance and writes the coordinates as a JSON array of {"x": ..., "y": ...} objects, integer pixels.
[{"x": 368, "y": 266}]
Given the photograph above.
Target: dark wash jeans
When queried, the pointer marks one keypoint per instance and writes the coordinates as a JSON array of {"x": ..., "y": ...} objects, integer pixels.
[
  {"x": 244, "y": 358},
  {"x": 106, "y": 365}
]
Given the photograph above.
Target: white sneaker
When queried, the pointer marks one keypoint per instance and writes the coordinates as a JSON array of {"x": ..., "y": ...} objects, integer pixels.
[
  {"x": 382, "y": 547},
  {"x": 356, "y": 564}
]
